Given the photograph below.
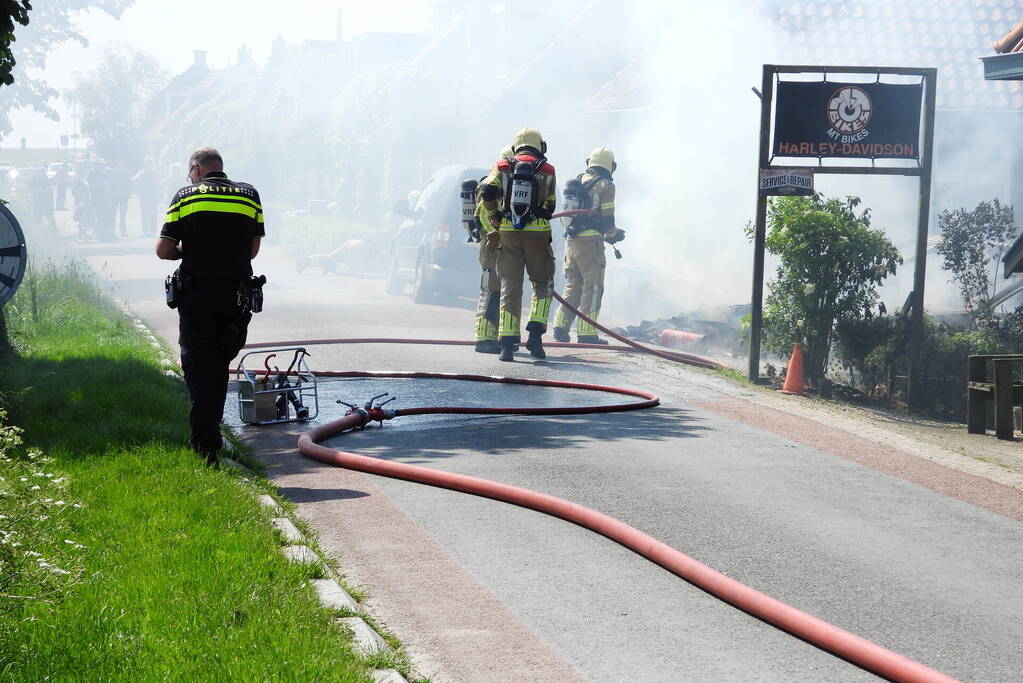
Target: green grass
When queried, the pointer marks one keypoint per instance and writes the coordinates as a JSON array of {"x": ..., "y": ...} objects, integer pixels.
[
  {"x": 732, "y": 374},
  {"x": 132, "y": 560}
]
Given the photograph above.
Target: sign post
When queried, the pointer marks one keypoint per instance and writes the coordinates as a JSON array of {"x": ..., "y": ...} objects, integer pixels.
[
  {"x": 831, "y": 119},
  {"x": 760, "y": 227}
]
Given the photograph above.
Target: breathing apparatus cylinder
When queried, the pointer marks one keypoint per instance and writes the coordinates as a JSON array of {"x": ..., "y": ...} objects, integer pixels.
[
  {"x": 576, "y": 197},
  {"x": 521, "y": 192},
  {"x": 468, "y": 195}
]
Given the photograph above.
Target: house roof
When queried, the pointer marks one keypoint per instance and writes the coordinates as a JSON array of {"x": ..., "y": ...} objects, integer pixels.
[
  {"x": 948, "y": 34},
  {"x": 629, "y": 89}
]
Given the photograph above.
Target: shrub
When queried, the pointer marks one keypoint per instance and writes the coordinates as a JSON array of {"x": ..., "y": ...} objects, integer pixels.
[{"x": 830, "y": 263}]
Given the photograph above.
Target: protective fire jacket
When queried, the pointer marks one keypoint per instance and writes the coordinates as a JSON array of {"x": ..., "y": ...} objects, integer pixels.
[
  {"x": 602, "y": 199},
  {"x": 215, "y": 220},
  {"x": 545, "y": 185},
  {"x": 482, "y": 214}
]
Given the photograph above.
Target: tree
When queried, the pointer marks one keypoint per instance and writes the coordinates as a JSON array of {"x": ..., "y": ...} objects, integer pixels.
[
  {"x": 10, "y": 11},
  {"x": 112, "y": 100},
  {"x": 53, "y": 22},
  {"x": 972, "y": 244},
  {"x": 831, "y": 262}
]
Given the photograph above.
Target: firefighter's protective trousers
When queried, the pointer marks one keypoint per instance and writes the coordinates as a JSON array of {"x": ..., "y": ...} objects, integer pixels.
[
  {"x": 584, "y": 254},
  {"x": 487, "y": 309},
  {"x": 525, "y": 253},
  {"x": 584, "y": 282},
  {"x": 525, "y": 248}
]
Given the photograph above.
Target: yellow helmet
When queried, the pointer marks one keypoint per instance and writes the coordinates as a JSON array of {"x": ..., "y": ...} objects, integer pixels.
[
  {"x": 602, "y": 157},
  {"x": 506, "y": 152},
  {"x": 528, "y": 137}
]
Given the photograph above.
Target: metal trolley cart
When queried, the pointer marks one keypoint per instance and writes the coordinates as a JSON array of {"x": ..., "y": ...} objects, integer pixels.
[{"x": 273, "y": 396}]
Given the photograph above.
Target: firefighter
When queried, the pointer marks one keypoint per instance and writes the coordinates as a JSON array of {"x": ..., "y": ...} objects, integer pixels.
[
  {"x": 584, "y": 245},
  {"x": 487, "y": 309},
  {"x": 214, "y": 226},
  {"x": 519, "y": 197}
]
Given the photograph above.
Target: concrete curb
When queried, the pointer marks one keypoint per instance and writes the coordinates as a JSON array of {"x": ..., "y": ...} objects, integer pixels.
[
  {"x": 269, "y": 503},
  {"x": 300, "y": 554},
  {"x": 367, "y": 642},
  {"x": 288, "y": 529},
  {"x": 333, "y": 596},
  {"x": 235, "y": 465},
  {"x": 152, "y": 339}
]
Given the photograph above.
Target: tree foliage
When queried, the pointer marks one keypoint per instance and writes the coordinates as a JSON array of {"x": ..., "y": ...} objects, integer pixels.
[
  {"x": 54, "y": 22},
  {"x": 11, "y": 11},
  {"x": 359, "y": 145},
  {"x": 831, "y": 262},
  {"x": 113, "y": 98},
  {"x": 972, "y": 244}
]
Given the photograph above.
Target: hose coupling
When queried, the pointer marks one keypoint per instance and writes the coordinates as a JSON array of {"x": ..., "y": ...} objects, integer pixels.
[
  {"x": 379, "y": 414},
  {"x": 352, "y": 408}
]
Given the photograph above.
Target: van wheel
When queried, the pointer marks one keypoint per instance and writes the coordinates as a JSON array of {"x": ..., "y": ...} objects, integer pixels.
[
  {"x": 394, "y": 283},
  {"x": 421, "y": 291}
]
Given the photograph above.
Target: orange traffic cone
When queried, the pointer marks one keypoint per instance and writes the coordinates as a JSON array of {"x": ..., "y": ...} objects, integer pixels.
[{"x": 794, "y": 374}]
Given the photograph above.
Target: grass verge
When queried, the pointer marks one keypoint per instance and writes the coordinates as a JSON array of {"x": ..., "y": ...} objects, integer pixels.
[{"x": 121, "y": 556}]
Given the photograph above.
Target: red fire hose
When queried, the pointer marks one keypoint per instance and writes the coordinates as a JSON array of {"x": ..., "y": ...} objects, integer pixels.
[
  {"x": 686, "y": 358},
  {"x": 849, "y": 646}
]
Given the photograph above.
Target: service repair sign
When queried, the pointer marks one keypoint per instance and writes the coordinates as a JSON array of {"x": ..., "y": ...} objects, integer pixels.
[
  {"x": 786, "y": 182},
  {"x": 863, "y": 120}
]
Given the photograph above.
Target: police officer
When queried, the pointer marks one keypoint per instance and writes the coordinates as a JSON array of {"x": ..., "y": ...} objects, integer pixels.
[
  {"x": 519, "y": 197},
  {"x": 487, "y": 308},
  {"x": 584, "y": 247},
  {"x": 214, "y": 226}
]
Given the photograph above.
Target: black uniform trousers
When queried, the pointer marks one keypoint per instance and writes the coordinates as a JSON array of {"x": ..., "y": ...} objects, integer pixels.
[{"x": 212, "y": 331}]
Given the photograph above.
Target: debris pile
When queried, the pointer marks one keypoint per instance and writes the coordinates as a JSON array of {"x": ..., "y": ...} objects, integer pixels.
[{"x": 691, "y": 331}]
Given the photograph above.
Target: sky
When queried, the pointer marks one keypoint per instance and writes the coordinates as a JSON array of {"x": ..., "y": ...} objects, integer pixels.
[{"x": 171, "y": 30}]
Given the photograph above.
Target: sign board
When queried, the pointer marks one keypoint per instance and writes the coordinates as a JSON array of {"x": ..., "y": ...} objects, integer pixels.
[
  {"x": 786, "y": 182},
  {"x": 847, "y": 120},
  {"x": 13, "y": 254}
]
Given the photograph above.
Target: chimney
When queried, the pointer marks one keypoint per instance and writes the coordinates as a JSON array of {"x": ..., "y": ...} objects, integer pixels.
[
  {"x": 200, "y": 58},
  {"x": 339, "y": 25}
]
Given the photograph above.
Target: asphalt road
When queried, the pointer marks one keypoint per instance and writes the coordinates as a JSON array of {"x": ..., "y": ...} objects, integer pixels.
[{"x": 485, "y": 591}]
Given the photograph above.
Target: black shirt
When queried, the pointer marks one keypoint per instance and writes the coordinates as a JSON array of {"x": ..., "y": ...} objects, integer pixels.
[{"x": 215, "y": 221}]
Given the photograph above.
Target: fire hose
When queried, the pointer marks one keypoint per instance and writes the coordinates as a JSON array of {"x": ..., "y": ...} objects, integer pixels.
[
  {"x": 860, "y": 651},
  {"x": 628, "y": 344}
]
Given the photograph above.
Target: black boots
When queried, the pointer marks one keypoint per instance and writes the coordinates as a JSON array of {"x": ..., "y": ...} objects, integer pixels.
[
  {"x": 509, "y": 345},
  {"x": 535, "y": 345},
  {"x": 561, "y": 335},
  {"x": 507, "y": 349},
  {"x": 488, "y": 346}
]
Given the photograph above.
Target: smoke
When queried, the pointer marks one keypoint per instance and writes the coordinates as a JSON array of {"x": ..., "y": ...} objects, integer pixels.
[
  {"x": 688, "y": 160},
  {"x": 360, "y": 120},
  {"x": 688, "y": 157}
]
